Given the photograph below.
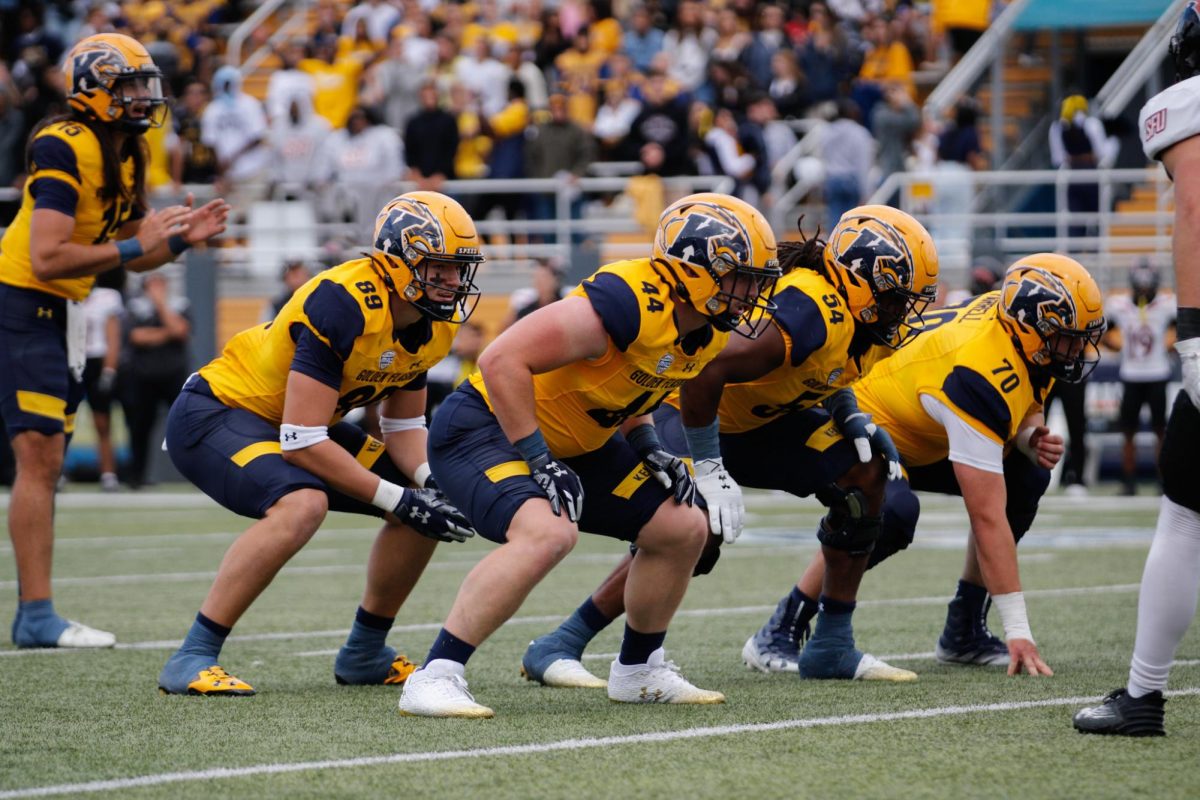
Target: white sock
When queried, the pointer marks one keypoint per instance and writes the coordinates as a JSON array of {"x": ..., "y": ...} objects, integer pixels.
[{"x": 1167, "y": 599}]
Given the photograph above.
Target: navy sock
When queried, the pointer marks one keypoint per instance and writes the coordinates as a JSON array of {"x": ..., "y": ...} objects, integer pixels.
[
  {"x": 591, "y": 616},
  {"x": 38, "y": 622},
  {"x": 834, "y": 624},
  {"x": 636, "y": 647},
  {"x": 830, "y": 606},
  {"x": 450, "y": 647},
  {"x": 205, "y": 638},
  {"x": 583, "y": 625},
  {"x": 369, "y": 631}
]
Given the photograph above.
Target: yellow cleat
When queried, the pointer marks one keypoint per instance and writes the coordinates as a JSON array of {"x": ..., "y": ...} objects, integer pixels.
[
  {"x": 216, "y": 682},
  {"x": 400, "y": 670}
]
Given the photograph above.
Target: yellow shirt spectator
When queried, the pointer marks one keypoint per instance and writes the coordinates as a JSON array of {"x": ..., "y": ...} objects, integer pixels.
[
  {"x": 889, "y": 62},
  {"x": 336, "y": 87}
]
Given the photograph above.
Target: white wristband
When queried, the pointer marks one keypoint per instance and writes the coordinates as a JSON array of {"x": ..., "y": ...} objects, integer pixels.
[
  {"x": 397, "y": 424},
  {"x": 1012, "y": 615},
  {"x": 387, "y": 495},
  {"x": 298, "y": 437},
  {"x": 421, "y": 474},
  {"x": 1024, "y": 436}
]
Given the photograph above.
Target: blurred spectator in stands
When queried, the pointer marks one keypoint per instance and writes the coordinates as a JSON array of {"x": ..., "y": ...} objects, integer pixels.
[
  {"x": 360, "y": 43},
  {"x": 767, "y": 41},
  {"x": 336, "y": 80},
  {"x": 728, "y": 156},
  {"x": 642, "y": 40},
  {"x": 788, "y": 85},
  {"x": 894, "y": 123},
  {"x": 40, "y": 84},
  {"x": 887, "y": 62},
  {"x": 102, "y": 312},
  {"x": 420, "y": 49},
  {"x": 356, "y": 162},
  {"x": 606, "y": 33},
  {"x": 848, "y": 151},
  {"x": 98, "y": 20},
  {"x": 235, "y": 127},
  {"x": 964, "y": 21},
  {"x": 473, "y": 145},
  {"x": 159, "y": 41},
  {"x": 613, "y": 122},
  {"x": 378, "y": 17},
  {"x": 731, "y": 39},
  {"x": 659, "y": 133},
  {"x": 392, "y": 85},
  {"x": 431, "y": 142},
  {"x": 959, "y": 152},
  {"x": 192, "y": 161},
  {"x": 726, "y": 85},
  {"x": 32, "y": 34},
  {"x": 507, "y": 158},
  {"x": 558, "y": 148},
  {"x": 294, "y": 274},
  {"x": 288, "y": 80},
  {"x": 687, "y": 45},
  {"x": 578, "y": 69},
  {"x": 1071, "y": 396},
  {"x": 443, "y": 67},
  {"x": 455, "y": 368},
  {"x": 484, "y": 75},
  {"x": 1078, "y": 142},
  {"x": 761, "y": 135},
  {"x": 12, "y": 131},
  {"x": 984, "y": 276},
  {"x": 297, "y": 140},
  {"x": 520, "y": 65},
  {"x": 827, "y": 63},
  {"x": 546, "y": 286},
  {"x": 1140, "y": 325},
  {"x": 551, "y": 43},
  {"x": 154, "y": 365}
]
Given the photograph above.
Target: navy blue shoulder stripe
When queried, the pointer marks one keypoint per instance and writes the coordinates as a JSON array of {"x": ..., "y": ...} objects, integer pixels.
[
  {"x": 980, "y": 399},
  {"x": 51, "y": 152},
  {"x": 336, "y": 315},
  {"x": 617, "y": 304},
  {"x": 801, "y": 318}
]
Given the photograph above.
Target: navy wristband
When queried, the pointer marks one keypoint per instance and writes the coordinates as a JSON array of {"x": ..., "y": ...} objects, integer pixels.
[
  {"x": 643, "y": 439},
  {"x": 532, "y": 446},
  {"x": 1187, "y": 323},
  {"x": 704, "y": 443},
  {"x": 129, "y": 249},
  {"x": 177, "y": 244}
]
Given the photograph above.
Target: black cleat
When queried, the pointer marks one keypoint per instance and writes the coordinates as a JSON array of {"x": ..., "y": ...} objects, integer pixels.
[{"x": 1122, "y": 715}]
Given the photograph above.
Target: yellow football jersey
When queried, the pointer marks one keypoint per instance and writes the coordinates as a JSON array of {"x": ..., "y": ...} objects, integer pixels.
[
  {"x": 67, "y": 175},
  {"x": 581, "y": 405},
  {"x": 965, "y": 359},
  {"x": 337, "y": 329},
  {"x": 817, "y": 331}
]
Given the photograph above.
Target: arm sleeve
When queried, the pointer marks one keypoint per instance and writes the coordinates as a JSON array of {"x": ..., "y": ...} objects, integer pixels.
[
  {"x": 967, "y": 445},
  {"x": 614, "y": 300}
]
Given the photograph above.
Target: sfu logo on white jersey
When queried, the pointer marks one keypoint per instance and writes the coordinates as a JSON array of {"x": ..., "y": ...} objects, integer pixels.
[{"x": 1156, "y": 123}]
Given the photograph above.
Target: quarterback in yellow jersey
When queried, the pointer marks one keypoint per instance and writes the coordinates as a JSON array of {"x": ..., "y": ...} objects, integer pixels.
[
  {"x": 964, "y": 407},
  {"x": 258, "y": 429},
  {"x": 83, "y": 212},
  {"x": 519, "y": 445},
  {"x": 843, "y": 306}
]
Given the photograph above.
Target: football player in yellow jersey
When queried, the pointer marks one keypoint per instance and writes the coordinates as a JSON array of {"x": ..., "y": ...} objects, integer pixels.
[
  {"x": 964, "y": 408},
  {"x": 536, "y": 428},
  {"x": 259, "y": 430},
  {"x": 83, "y": 212},
  {"x": 842, "y": 307}
]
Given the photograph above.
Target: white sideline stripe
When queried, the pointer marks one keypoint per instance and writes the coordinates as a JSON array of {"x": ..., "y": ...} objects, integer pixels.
[
  {"x": 170, "y": 644},
  {"x": 546, "y": 747}
]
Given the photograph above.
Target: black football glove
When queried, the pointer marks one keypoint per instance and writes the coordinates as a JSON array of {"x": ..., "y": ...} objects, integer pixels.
[
  {"x": 672, "y": 473},
  {"x": 428, "y": 513},
  {"x": 561, "y": 485}
]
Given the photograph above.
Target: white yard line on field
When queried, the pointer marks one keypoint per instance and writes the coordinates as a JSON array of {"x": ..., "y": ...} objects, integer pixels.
[{"x": 562, "y": 745}]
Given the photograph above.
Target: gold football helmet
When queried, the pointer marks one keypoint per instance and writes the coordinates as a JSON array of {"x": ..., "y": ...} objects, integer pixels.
[
  {"x": 419, "y": 230},
  {"x": 704, "y": 239},
  {"x": 885, "y": 265},
  {"x": 1054, "y": 311},
  {"x": 111, "y": 78}
]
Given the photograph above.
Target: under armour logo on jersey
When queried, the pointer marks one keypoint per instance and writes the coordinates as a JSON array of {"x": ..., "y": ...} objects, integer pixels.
[
  {"x": 1156, "y": 123},
  {"x": 45, "y": 313}
]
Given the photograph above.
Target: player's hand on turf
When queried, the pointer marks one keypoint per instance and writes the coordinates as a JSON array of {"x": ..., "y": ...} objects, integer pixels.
[
  {"x": 428, "y": 513},
  {"x": 560, "y": 483},
  {"x": 161, "y": 224},
  {"x": 1189, "y": 359},
  {"x": 1045, "y": 447},
  {"x": 726, "y": 510},
  {"x": 1024, "y": 659},
  {"x": 672, "y": 473},
  {"x": 206, "y": 221}
]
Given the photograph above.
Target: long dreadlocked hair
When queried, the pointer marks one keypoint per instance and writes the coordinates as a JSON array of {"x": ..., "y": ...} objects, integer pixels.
[{"x": 808, "y": 253}]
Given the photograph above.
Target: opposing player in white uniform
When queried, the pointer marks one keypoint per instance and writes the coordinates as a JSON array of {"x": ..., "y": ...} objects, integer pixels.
[
  {"x": 1139, "y": 325},
  {"x": 1170, "y": 129}
]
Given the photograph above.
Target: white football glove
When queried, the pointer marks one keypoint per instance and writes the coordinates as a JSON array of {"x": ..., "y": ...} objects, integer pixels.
[
  {"x": 1189, "y": 358},
  {"x": 726, "y": 511}
]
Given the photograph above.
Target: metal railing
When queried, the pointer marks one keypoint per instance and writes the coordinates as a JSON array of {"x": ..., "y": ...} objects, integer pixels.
[
  {"x": 1138, "y": 67},
  {"x": 233, "y": 48}
]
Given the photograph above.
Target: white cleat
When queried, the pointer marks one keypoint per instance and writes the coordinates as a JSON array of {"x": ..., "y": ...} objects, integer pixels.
[
  {"x": 567, "y": 673},
  {"x": 656, "y": 681},
  {"x": 79, "y": 635},
  {"x": 439, "y": 690},
  {"x": 871, "y": 668},
  {"x": 767, "y": 659}
]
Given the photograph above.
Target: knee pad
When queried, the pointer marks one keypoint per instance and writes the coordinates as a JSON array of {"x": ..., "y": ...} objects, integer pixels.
[
  {"x": 847, "y": 526},
  {"x": 709, "y": 556}
]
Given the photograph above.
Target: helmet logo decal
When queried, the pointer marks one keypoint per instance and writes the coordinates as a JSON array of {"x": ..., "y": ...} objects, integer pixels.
[
  {"x": 404, "y": 231},
  {"x": 710, "y": 243},
  {"x": 1039, "y": 303},
  {"x": 884, "y": 260},
  {"x": 85, "y": 64}
]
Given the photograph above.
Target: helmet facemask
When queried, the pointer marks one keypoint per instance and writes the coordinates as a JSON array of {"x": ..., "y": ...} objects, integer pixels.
[
  {"x": 138, "y": 91},
  {"x": 1068, "y": 355},
  {"x": 899, "y": 315},
  {"x": 750, "y": 291},
  {"x": 428, "y": 277}
]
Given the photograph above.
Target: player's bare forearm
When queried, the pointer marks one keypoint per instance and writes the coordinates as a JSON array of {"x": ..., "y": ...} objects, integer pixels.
[
  {"x": 337, "y": 467},
  {"x": 985, "y": 497},
  {"x": 742, "y": 360}
]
